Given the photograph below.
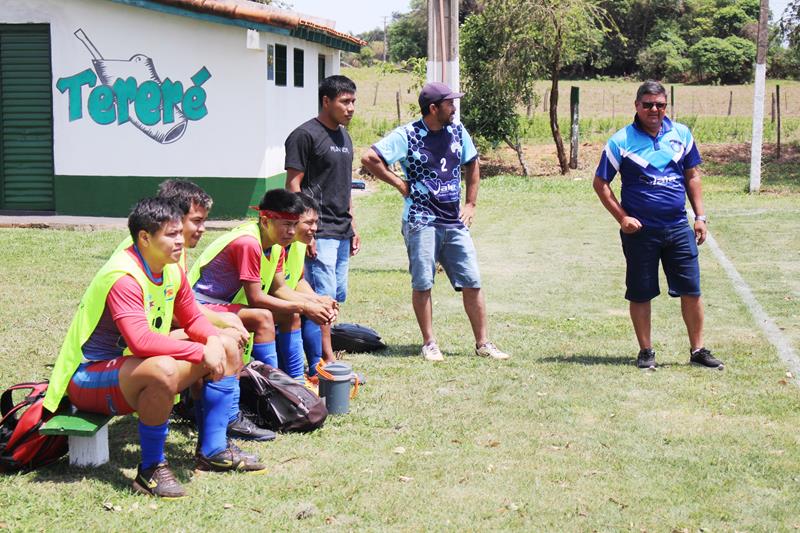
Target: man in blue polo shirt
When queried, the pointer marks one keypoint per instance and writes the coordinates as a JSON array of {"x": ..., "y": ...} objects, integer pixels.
[
  {"x": 658, "y": 163},
  {"x": 432, "y": 151}
]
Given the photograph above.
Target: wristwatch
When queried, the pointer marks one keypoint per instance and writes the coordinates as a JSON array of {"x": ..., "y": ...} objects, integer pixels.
[{"x": 701, "y": 218}]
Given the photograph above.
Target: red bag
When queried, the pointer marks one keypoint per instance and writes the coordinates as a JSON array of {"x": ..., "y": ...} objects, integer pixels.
[{"x": 22, "y": 448}]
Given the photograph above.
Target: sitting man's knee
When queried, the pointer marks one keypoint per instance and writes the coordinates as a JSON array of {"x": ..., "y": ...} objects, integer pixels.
[
  {"x": 265, "y": 323},
  {"x": 164, "y": 373},
  {"x": 233, "y": 355}
]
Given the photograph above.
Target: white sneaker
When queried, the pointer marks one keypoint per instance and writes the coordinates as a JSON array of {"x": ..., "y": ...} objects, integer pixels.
[
  {"x": 431, "y": 352},
  {"x": 488, "y": 349}
]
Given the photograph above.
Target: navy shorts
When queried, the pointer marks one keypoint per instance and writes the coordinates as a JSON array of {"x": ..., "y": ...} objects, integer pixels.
[{"x": 675, "y": 247}]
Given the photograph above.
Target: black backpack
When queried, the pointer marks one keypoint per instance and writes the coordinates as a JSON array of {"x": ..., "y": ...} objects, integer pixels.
[
  {"x": 355, "y": 338},
  {"x": 273, "y": 400},
  {"x": 22, "y": 448}
]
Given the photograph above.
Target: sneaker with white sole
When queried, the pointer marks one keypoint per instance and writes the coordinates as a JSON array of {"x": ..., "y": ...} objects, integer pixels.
[
  {"x": 488, "y": 349},
  {"x": 431, "y": 352}
]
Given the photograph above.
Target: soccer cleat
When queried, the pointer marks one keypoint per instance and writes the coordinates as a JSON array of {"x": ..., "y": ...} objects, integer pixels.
[
  {"x": 247, "y": 455},
  {"x": 231, "y": 459},
  {"x": 431, "y": 352},
  {"x": 646, "y": 359},
  {"x": 244, "y": 429},
  {"x": 488, "y": 349},
  {"x": 158, "y": 481},
  {"x": 703, "y": 357}
]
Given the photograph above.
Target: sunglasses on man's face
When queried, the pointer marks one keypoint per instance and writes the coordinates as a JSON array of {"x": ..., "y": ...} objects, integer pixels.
[{"x": 650, "y": 105}]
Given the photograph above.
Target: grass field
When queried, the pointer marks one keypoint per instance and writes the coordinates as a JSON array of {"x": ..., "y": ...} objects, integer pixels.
[
  {"x": 605, "y": 106},
  {"x": 566, "y": 436}
]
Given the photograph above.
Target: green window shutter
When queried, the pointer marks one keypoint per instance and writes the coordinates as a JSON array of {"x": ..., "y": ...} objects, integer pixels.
[{"x": 26, "y": 118}]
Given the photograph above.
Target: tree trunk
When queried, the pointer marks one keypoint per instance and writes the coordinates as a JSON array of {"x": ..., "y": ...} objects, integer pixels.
[
  {"x": 517, "y": 147},
  {"x": 563, "y": 162}
]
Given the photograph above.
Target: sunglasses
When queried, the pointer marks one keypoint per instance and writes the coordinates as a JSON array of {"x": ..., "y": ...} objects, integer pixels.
[{"x": 650, "y": 105}]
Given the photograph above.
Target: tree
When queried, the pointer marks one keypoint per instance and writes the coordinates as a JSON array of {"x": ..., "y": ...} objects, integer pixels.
[
  {"x": 728, "y": 60},
  {"x": 491, "y": 98},
  {"x": 665, "y": 59},
  {"x": 512, "y": 42},
  {"x": 408, "y": 33}
]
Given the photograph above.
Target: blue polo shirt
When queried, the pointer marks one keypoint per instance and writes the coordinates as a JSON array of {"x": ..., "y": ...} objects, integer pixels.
[
  {"x": 431, "y": 161},
  {"x": 652, "y": 171}
]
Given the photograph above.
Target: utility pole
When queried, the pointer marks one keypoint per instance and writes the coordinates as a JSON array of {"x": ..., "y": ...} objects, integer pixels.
[
  {"x": 385, "y": 41},
  {"x": 443, "y": 42},
  {"x": 758, "y": 98}
]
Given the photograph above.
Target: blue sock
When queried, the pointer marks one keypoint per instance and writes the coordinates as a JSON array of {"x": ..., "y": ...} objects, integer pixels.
[
  {"x": 265, "y": 352},
  {"x": 312, "y": 344},
  {"x": 217, "y": 397},
  {"x": 151, "y": 440},
  {"x": 198, "y": 415},
  {"x": 234, "y": 412},
  {"x": 290, "y": 353}
]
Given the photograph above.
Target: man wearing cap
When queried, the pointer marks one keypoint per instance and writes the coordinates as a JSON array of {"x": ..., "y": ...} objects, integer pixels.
[
  {"x": 432, "y": 151},
  {"x": 658, "y": 161}
]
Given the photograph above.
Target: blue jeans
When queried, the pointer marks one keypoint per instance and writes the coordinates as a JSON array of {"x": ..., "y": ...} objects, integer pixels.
[
  {"x": 327, "y": 273},
  {"x": 675, "y": 248},
  {"x": 451, "y": 247}
]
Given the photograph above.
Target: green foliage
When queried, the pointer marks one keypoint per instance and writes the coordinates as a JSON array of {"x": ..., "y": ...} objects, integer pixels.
[
  {"x": 408, "y": 33},
  {"x": 366, "y": 56},
  {"x": 489, "y": 106},
  {"x": 731, "y": 20},
  {"x": 649, "y": 27},
  {"x": 665, "y": 59},
  {"x": 728, "y": 60},
  {"x": 511, "y": 43}
]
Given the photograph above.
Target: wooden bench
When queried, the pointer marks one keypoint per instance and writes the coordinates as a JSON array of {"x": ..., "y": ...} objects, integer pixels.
[{"x": 88, "y": 436}]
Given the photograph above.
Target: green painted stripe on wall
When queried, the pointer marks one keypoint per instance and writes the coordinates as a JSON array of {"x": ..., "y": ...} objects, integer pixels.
[{"x": 113, "y": 196}]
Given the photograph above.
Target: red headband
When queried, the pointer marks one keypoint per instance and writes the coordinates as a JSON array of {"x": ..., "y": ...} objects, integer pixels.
[{"x": 280, "y": 215}]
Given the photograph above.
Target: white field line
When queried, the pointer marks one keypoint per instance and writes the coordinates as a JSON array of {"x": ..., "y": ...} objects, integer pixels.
[{"x": 775, "y": 336}]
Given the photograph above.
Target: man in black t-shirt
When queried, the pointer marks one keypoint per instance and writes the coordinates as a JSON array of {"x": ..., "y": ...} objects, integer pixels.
[{"x": 319, "y": 162}]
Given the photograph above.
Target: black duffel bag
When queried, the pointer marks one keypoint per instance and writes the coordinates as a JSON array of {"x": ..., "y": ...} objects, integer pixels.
[
  {"x": 355, "y": 338},
  {"x": 273, "y": 400}
]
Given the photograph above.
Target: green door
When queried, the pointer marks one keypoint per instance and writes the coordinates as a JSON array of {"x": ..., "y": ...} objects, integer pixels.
[{"x": 26, "y": 118}]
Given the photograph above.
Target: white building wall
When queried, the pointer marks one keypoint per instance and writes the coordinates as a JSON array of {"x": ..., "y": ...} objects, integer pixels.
[{"x": 248, "y": 117}]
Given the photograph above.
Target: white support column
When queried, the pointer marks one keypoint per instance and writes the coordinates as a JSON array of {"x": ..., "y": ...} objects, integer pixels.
[
  {"x": 758, "y": 98},
  {"x": 443, "y": 53},
  {"x": 89, "y": 451}
]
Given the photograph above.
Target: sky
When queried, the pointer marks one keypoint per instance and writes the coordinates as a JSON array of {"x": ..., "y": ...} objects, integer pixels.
[
  {"x": 352, "y": 15},
  {"x": 357, "y": 16}
]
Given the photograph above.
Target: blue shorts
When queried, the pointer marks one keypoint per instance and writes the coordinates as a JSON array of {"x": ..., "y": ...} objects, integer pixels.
[
  {"x": 451, "y": 247},
  {"x": 675, "y": 247},
  {"x": 327, "y": 273}
]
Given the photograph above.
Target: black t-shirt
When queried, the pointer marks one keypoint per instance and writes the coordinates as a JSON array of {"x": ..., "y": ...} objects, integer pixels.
[{"x": 326, "y": 159}]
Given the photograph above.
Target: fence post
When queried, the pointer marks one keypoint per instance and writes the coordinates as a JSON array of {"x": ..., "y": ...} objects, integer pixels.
[
  {"x": 375, "y": 98},
  {"x": 778, "y": 105},
  {"x": 574, "y": 104},
  {"x": 397, "y": 99},
  {"x": 772, "y": 114},
  {"x": 544, "y": 100},
  {"x": 674, "y": 113},
  {"x": 730, "y": 103}
]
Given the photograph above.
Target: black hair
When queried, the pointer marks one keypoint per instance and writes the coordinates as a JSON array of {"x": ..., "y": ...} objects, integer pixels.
[
  {"x": 283, "y": 201},
  {"x": 333, "y": 86},
  {"x": 185, "y": 194},
  {"x": 150, "y": 214},
  {"x": 308, "y": 202},
  {"x": 650, "y": 87}
]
